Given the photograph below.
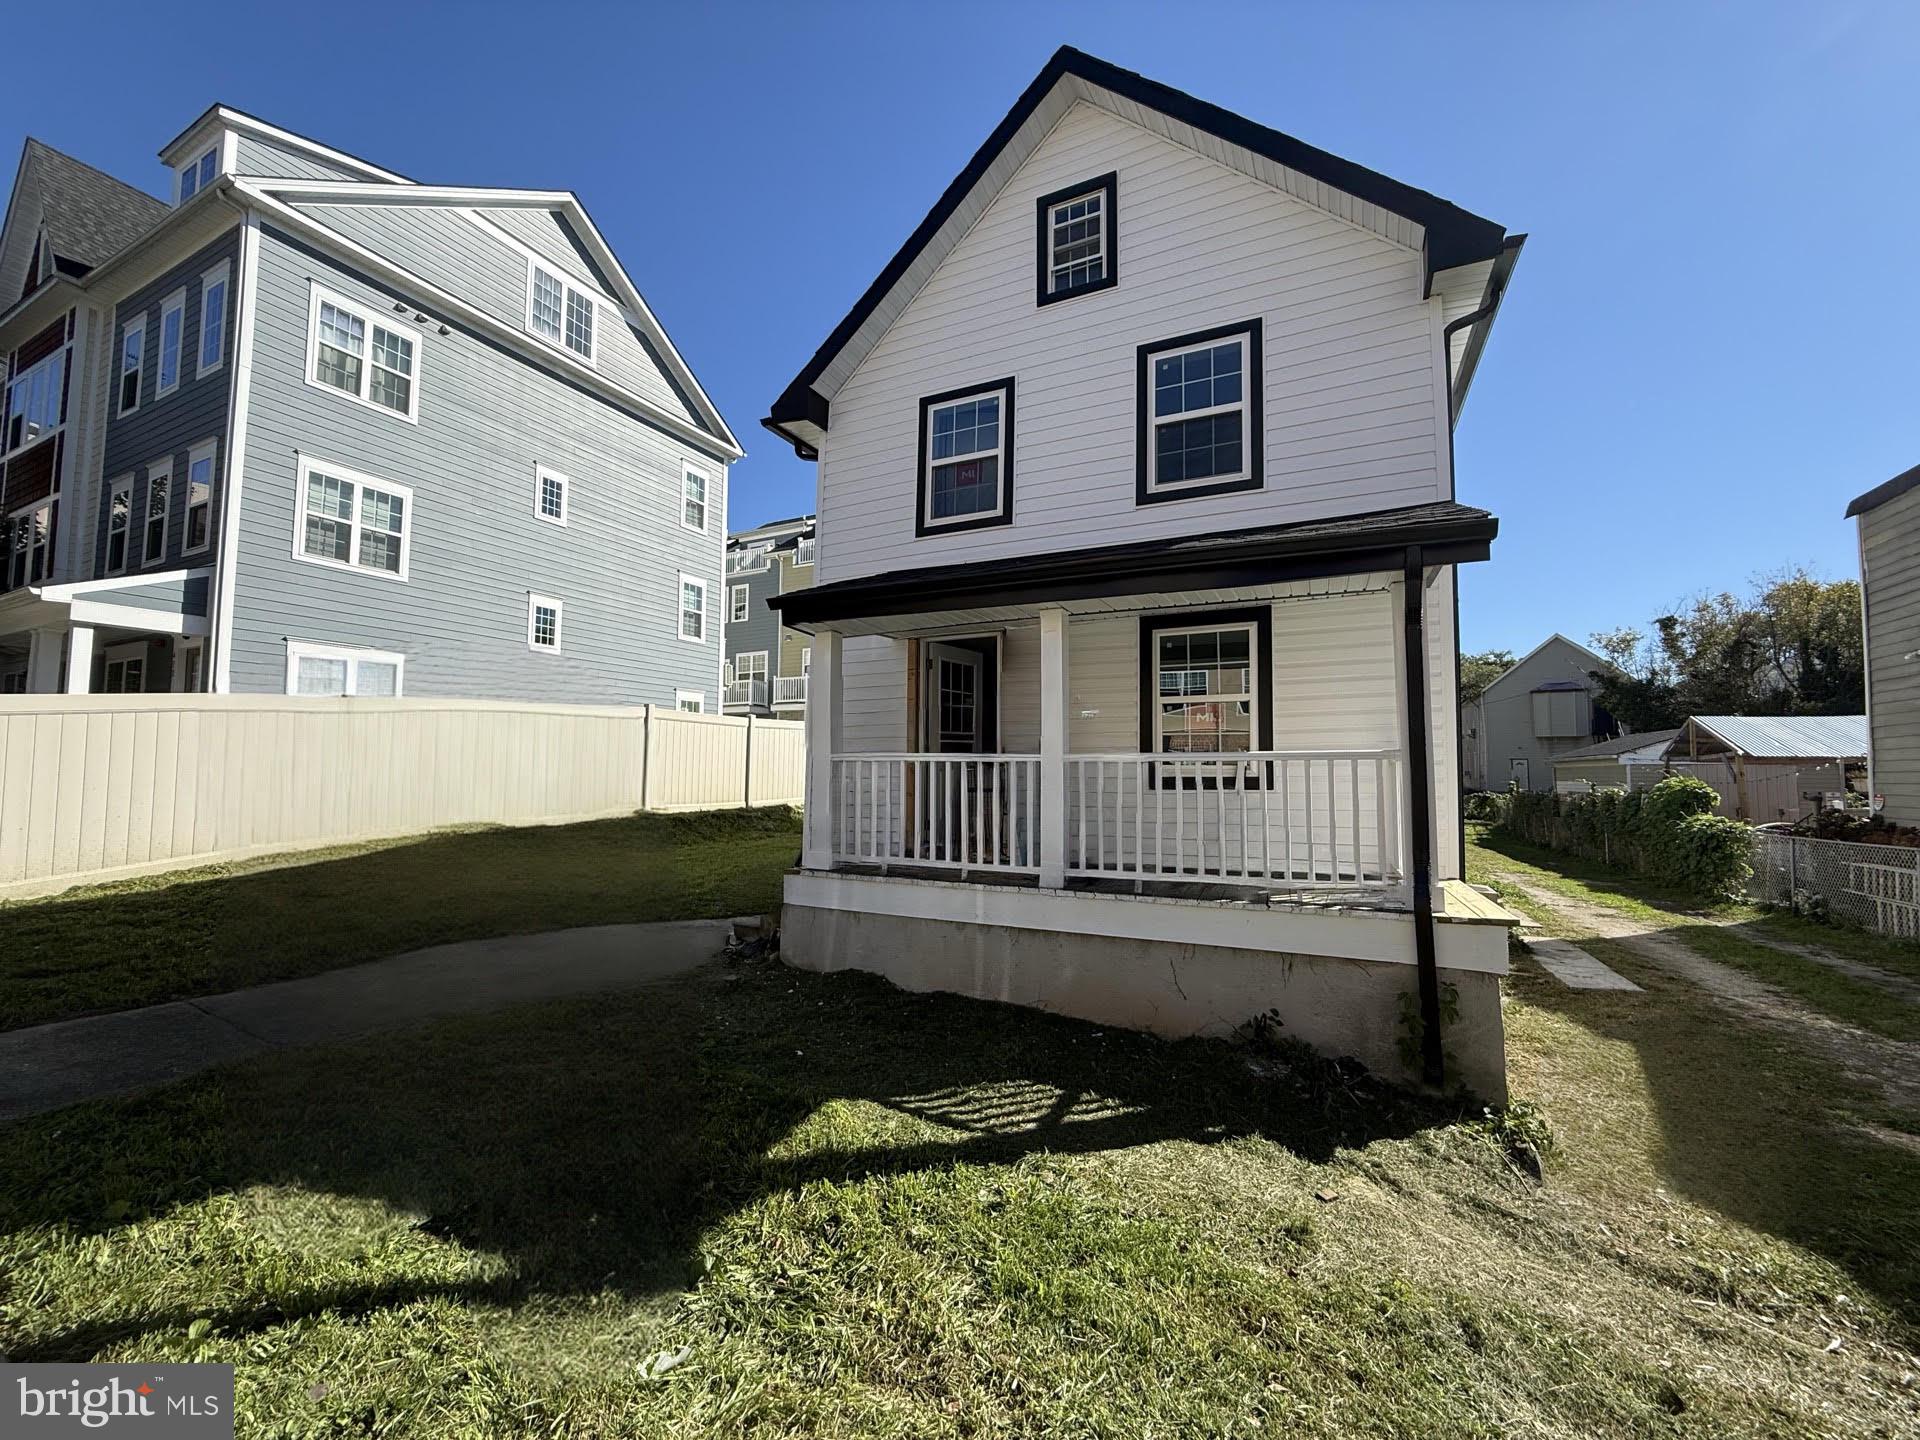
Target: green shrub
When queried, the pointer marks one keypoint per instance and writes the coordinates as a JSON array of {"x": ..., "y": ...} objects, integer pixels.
[
  {"x": 1669, "y": 833},
  {"x": 1487, "y": 805}
]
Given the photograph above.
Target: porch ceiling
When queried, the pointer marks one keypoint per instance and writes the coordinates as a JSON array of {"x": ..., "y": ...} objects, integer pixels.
[{"x": 1223, "y": 567}]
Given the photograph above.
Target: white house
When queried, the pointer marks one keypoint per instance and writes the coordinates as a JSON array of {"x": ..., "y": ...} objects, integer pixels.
[
  {"x": 1134, "y": 689},
  {"x": 1536, "y": 710}
]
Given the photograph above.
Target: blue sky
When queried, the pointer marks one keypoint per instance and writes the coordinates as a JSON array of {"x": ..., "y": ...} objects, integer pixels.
[{"x": 1709, "y": 346}]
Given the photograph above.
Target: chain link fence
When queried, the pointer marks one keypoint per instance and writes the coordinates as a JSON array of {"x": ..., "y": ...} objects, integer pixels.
[{"x": 1876, "y": 887}]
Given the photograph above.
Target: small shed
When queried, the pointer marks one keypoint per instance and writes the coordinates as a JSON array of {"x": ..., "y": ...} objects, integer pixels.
[
  {"x": 1766, "y": 767},
  {"x": 1605, "y": 765}
]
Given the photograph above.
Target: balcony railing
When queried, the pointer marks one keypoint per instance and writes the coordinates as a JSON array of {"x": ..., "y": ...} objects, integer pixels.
[
  {"x": 789, "y": 690},
  {"x": 750, "y": 693},
  {"x": 1278, "y": 820},
  {"x": 1275, "y": 819}
]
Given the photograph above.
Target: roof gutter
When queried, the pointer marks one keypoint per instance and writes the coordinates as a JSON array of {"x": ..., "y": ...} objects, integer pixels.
[{"x": 1496, "y": 290}]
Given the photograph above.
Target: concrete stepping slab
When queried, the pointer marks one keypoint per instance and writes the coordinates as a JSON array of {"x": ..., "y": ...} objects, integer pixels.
[{"x": 1574, "y": 967}]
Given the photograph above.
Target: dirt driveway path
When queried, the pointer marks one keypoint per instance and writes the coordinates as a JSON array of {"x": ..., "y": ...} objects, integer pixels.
[{"x": 1890, "y": 1066}]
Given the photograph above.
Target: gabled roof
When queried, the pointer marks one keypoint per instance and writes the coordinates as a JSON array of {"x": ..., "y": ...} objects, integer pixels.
[
  {"x": 1881, "y": 494},
  {"x": 1624, "y": 745},
  {"x": 1789, "y": 737},
  {"x": 1448, "y": 236},
  {"x": 232, "y": 118},
  {"x": 86, "y": 215},
  {"x": 1600, "y": 662}
]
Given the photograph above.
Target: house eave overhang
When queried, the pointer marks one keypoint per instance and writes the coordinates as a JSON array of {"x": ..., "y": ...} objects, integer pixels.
[
  {"x": 1449, "y": 235},
  {"x": 1446, "y": 533}
]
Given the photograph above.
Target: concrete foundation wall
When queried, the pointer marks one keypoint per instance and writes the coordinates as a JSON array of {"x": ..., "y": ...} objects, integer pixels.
[{"x": 1340, "y": 1007}]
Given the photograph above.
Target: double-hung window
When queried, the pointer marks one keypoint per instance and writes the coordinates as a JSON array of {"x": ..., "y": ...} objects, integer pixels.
[
  {"x": 213, "y": 319},
  {"x": 153, "y": 545},
  {"x": 693, "y": 609},
  {"x": 1205, "y": 688},
  {"x": 133, "y": 353},
  {"x": 543, "y": 622},
  {"x": 1199, "y": 414},
  {"x": 352, "y": 521},
  {"x": 737, "y": 605},
  {"x": 173, "y": 322},
  {"x": 26, "y": 546},
  {"x": 1078, "y": 249},
  {"x": 119, "y": 523},
  {"x": 199, "y": 497},
  {"x": 559, "y": 311},
  {"x": 966, "y": 459},
  {"x": 342, "y": 670},
  {"x": 549, "y": 495},
  {"x": 352, "y": 350},
  {"x": 693, "y": 499}
]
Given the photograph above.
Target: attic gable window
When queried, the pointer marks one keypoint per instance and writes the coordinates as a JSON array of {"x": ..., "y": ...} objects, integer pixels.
[
  {"x": 1078, "y": 249},
  {"x": 558, "y": 311},
  {"x": 198, "y": 173}
]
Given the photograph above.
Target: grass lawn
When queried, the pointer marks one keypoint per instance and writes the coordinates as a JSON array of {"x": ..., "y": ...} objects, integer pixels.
[
  {"x": 199, "y": 932},
  {"x": 1734, "y": 940},
  {"x": 848, "y": 1211}
]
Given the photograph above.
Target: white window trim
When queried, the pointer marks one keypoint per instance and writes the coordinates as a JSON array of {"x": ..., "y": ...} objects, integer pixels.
[
  {"x": 1098, "y": 188},
  {"x": 221, "y": 274},
  {"x": 390, "y": 320},
  {"x": 298, "y": 650},
  {"x": 176, "y": 302},
  {"x": 180, "y": 173},
  {"x": 972, "y": 517},
  {"x": 542, "y": 474},
  {"x": 181, "y": 649},
  {"x": 688, "y": 472},
  {"x": 680, "y": 611},
  {"x": 738, "y": 599},
  {"x": 123, "y": 482},
  {"x": 1242, "y": 338},
  {"x": 137, "y": 325},
  {"x": 208, "y": 450},
  {"x": 699, "y": 698},
  {"x": 133, "y": 650},
  {"x": 306, "y": 465},
  {"x": 1255, "y": 696},
  {"x": 64, "y": 357},
  {"x": 758, "y": 672},
  {"x": 568, "y": 284},
  {"x": 559, "y": 624},
  {"x": 157, "y": 470}
]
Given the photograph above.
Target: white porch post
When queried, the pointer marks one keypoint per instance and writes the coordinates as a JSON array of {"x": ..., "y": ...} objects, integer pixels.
[
  {"x": 825, "y": 731},
  {"x": 43, "y": 662},
  {"x": 79, "y": 659},
  {"x": 1056, "y": 695}
]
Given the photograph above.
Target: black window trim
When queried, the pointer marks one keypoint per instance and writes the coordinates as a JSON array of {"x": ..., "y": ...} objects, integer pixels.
[
  {"x": 923, "y": 472},
  {"x": 1258, "y": 616},
  {"x": 1146, "y": 494},
  {"x": 1109, "y": 185}
]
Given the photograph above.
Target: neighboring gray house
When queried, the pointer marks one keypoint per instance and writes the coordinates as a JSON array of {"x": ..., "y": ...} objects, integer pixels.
[
  {"x": 1537, "y": 710},
  {"x": 315, "y": 428},
  {"x": 1609, "y": 764},
  {"x": 767, "y": 662},
  {"x": 1889, "y": 517}
]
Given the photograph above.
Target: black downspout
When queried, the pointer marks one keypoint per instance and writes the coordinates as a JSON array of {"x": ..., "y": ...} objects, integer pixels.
[{"x": 1420, "y": 819}]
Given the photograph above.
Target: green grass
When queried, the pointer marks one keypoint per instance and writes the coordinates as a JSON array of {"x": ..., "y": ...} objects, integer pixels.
[
  {"x": 868, "y": 1213},
  {"x": 1856, "y": 1001},
  {"x": 200, "y": 932}
]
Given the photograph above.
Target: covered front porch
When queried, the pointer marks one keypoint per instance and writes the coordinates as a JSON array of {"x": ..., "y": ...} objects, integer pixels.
[{"x": 122, "y": 634}]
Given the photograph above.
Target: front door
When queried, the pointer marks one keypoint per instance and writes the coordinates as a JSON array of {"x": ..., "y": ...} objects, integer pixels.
[
  {"x": 1517, "y": 774},
  {"x": 956, "y": 718}
]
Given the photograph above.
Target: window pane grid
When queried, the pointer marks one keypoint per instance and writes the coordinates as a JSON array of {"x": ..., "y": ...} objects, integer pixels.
[
  {"x": 1078, "y": 237},
  {"x": 693, "y": 610},
  {"x": 547, "y": 300},
  {"x": 1199, "y": 413},
  {"x": 965, "y": 456},
  {"x": 546, "y": 626},
  {"x": 552, "y": 497},
  {"x": 579, "y": 323},
  {"x": 213, "y": 309},
  {"x": 358, "y": 525},
  {"x": 1203, "y": 683}
]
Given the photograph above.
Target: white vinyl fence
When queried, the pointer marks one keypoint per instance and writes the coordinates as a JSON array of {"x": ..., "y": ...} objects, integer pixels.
[
  {"x": 94, "y": 786},
  {"x": 1875, "y": 886}
]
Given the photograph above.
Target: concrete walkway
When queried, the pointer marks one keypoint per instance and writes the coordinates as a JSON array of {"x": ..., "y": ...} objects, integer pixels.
[
  {"x": 1572, "y": 966},
  {"x": 48, "y": 1066}
]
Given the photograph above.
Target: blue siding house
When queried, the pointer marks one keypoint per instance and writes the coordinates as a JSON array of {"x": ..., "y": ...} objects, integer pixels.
[{"x": 316, "y": 428}]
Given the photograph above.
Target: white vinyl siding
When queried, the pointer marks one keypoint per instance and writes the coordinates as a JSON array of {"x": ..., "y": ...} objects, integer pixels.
[
  {"x": 1891, "y": 560},
  {"x": 1351, "y": 422}
]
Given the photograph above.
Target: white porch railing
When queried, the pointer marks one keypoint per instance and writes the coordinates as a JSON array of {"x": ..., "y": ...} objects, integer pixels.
[
  {"x": 957, "y": 812},
  {"x": 1276, "y": 819},
  {"x": 745, "y": 692},
  {"x": 789, "y": 689}
]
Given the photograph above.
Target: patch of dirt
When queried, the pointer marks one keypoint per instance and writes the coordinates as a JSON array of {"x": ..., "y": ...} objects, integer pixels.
[
  {"x": 1896, "y": 985},
  {"x": 1890, "y": 1066}
]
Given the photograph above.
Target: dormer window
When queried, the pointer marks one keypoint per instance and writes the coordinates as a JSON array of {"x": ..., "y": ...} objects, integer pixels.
[
  {"x": 198, "y": 173},
  {"x": 1078, "y": 240}
]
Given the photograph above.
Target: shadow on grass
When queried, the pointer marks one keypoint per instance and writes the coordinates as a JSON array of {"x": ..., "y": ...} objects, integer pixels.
[
  {"x": 200, "y": 932},
  {"x": 591, "y": 1145}
]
